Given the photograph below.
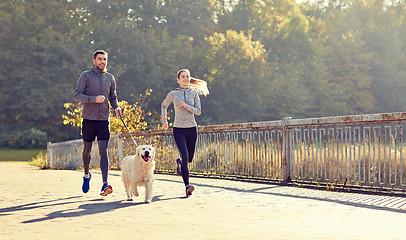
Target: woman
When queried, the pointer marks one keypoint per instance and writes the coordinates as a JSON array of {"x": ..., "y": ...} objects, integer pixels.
[{"x": 186, "y": 102}]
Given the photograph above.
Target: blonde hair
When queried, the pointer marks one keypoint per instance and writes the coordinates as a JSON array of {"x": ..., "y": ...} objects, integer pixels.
[{"x": 199, "y": 85}]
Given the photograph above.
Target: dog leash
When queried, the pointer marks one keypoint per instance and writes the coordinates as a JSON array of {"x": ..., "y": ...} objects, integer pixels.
[{"x": 122, "y": 120}]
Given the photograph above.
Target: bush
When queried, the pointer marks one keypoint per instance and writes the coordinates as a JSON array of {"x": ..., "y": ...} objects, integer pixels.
[
  {"x": 40, "y": 161},
  {"x": 31, "y": 138},
  {"x": 4, "y": 139}
]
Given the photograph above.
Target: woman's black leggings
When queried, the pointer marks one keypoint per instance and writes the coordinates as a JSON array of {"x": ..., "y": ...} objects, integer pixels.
[{"x": 185, "y": 139}]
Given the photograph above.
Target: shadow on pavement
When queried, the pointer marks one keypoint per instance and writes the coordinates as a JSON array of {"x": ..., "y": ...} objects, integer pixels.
[
  {"x": 96, "y": 206},
  {"x": 42, "y": 204},
  {"x": 258, "y": 191},
  {"x": 86, "y": 209},
  {"x": 99, "y": 206}
]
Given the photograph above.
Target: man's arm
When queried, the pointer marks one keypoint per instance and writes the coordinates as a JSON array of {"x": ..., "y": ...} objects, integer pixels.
[
  {"x": 113, "y": 94},
  {"x": 80, "y": 89},
  {"x": 113, "y": 97}
]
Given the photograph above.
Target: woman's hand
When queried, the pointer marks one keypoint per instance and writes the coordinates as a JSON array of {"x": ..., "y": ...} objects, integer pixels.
[
  {"x": 181, "y": 104},
  {"x": 165, "y": 125}
]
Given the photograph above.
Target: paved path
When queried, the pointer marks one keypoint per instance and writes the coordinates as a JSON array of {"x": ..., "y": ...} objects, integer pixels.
[{"x": 49, "y": 204}]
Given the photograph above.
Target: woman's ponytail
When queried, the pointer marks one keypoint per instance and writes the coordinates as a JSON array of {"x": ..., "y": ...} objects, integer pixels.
[{"x": 200, "y": 86}]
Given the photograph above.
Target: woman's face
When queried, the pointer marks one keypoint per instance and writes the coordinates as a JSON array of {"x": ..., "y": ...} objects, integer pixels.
[{"x": 184, "y": 79}]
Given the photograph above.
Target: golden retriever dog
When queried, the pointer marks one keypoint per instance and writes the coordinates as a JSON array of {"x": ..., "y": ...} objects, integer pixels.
[{"x": 138, "y": 170}]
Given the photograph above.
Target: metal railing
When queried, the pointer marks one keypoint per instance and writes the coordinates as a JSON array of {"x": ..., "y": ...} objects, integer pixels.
[{"x": 356, "y": 151}]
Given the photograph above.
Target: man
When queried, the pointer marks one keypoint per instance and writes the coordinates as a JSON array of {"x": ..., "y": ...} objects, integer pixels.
[{"x": 94, "y": 88}]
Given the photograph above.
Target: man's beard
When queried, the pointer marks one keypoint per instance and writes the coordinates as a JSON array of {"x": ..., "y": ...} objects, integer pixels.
[{"x": 100, "y": 67}]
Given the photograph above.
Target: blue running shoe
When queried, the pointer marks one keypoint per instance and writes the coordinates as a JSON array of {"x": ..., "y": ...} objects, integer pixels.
[
  {"x": 86, "y": 181},
  {"x": 179, "y": 166},
  {"x": 106, "y": 189}
]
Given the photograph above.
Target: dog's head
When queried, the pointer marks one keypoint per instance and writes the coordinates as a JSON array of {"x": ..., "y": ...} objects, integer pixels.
[{"x": 146, "y": 152}]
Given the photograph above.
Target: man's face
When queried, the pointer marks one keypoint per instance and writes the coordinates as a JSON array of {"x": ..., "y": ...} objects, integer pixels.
[{"x": 100, "y": 62}]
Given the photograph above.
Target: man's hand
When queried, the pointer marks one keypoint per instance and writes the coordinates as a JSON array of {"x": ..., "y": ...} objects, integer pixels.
[
  {"x": 118, "y": 112},
  {"x": 100, "y": 99}
]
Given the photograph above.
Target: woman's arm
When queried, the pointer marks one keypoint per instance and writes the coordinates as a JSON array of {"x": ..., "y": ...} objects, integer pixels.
[
  {"x": 197, "y": 108},
  {"x": 164, "y": 107}
]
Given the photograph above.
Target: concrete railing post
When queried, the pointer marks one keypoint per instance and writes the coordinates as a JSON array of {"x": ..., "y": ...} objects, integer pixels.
[
  {"x": 49, "y": 155},
  {"x": 285, "y": 150},
  {"x": 120, "y": 154}
]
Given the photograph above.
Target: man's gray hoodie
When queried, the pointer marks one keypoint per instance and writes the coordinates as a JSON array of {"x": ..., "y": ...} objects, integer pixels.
[
  {"x": 184, "y": 116},
  {"x": 92, "y": 83}
]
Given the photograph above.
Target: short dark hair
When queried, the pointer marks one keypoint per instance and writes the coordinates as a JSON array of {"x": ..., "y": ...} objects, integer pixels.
[{"x": 97, "y": 52}]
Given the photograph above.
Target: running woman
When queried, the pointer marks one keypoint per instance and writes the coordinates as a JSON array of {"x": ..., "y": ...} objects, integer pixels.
[{"x": 186, "y": 103}]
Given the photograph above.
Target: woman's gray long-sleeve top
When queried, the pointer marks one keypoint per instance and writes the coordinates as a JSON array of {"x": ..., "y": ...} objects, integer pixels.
[
  {"x": 92, "y": 83},
  {"x": 184, "y": 116}
]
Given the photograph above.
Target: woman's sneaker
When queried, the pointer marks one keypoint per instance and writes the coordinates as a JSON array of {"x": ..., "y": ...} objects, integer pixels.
[
  {"x": 106, "y": 189},
  {"x": 179, "y": 166},
  {"x": 189, "y": 190},
  {"x": 86, "y": 183}
]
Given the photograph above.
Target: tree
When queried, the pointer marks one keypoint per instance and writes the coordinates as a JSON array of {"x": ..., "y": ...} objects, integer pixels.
[
  {"x": 38, "y": 59},
  {"x": 236, "y": 72},
  {"x": 193, "y": 18},
  {"x": 380, "y": 24}
]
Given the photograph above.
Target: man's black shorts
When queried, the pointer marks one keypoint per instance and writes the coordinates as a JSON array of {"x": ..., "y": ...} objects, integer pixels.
[{"x": 95, "y": 128}]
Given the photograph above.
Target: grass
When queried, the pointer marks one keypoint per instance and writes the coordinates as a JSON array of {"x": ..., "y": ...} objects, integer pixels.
[{"x": 19, "y": 155}]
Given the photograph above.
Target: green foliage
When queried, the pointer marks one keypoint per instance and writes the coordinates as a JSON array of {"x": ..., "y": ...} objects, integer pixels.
[
  {"x": 236, "y": 71},
  {"x": 192, "y": 18},
  {"x": 30, "y": 138},
  {"x": 3, "y": 138},
  {"x": 38, "y": 64},
  {"x": 263, "y": 59}
]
